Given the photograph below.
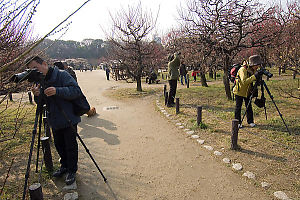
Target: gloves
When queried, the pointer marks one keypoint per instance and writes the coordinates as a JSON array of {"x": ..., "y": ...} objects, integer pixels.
[{"x": 258, "y": 74}]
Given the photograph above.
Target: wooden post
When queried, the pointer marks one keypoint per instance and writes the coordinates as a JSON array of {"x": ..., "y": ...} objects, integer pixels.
[
  {"x": 10, "y": 96},
  {"x": 199, "y": 115},
  {"x": 188, "y": 81},
  {"x": 35, "y": 191},
  {"x": 165, "y": 89},
  {"x": 177, "y": 105},
  {"x": 166, "y": 98},
  {"x": 30, "y": 97},
  {"x": 162, "y": 75},
  {"x": 234, "y": 136},
  {"x": 47, "y": 153}
]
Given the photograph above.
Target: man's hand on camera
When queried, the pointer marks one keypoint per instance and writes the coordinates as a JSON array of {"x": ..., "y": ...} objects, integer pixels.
[
  {"x": 36, "y": 90},
  {"x": 50, "y": 91},
  {"x": 258, "y": 74}
]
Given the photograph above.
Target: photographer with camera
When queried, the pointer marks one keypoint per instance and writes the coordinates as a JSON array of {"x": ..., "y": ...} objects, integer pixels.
[
  {"x": 57, "y": 89},
  {"x": 173, "y": 76},
  {"x": 244, "y": 87}
]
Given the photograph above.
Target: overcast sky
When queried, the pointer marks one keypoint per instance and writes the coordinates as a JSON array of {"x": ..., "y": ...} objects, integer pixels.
[{"x": 90, "y": 21}]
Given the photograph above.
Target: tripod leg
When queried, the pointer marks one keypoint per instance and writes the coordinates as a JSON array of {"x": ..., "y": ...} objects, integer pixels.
[
  {"x": 30, "y": 152},
  {"x": 39, "y": 143},
  {"x": 265, "y": 85}
]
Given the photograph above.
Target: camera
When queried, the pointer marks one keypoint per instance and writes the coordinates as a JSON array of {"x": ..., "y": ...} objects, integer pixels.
[
  {"x": 32, "y": 75},
  {"x": 265, "y": 72}
]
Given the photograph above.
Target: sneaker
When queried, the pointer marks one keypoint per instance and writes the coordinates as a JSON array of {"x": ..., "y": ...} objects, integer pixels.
[
  {"x": 71, "y": 177},
  {"x": 240, "y": 126},
  {"x": 60, "y": 172},
  {"x": 252, "y": 125}
]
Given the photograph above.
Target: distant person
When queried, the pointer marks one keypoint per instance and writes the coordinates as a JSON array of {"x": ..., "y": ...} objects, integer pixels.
[
  {"x": 107, "y": 71},
  {"x": 194, "y": 75},
  {"x": 244, "y": 87},
  {"x": 173, "y": 75},
  {"x": 64, "y": 66},
  {"x": 183, "y": 72},
  {"x": 152, "y": 77}
]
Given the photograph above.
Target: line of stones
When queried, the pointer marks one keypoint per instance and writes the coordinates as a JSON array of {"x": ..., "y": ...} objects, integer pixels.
[{"x": 236, "y": 166}]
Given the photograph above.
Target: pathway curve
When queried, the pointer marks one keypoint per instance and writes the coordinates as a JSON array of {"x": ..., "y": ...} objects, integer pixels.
[{"x": 145, "y": 156}]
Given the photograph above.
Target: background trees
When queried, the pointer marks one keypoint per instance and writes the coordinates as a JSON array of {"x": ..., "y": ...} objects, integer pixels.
[
  {"x": 227, "y": 27},
  {"x": 130, "y": 42}
]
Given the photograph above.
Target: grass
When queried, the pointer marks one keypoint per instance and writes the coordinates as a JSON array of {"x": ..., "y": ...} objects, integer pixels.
[
  {"x": 268, "y": 150},
  {"x": 16, "y": 146}
]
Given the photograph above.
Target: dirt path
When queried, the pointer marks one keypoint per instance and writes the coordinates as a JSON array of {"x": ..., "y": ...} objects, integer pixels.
[{"x": 144, "y": 156}]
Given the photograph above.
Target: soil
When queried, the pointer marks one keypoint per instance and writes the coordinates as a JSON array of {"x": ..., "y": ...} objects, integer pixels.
[{"x": 144, "y": 155}]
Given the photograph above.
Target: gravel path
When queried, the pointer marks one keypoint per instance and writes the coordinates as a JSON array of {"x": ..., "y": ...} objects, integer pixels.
[{"x": 145, "y": 156}]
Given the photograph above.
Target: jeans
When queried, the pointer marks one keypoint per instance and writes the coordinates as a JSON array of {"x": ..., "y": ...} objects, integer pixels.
[
  {"x": 238, "y": 109},
  {"x": 181, "y": 79},
  {"x": 67, "y": 147}
]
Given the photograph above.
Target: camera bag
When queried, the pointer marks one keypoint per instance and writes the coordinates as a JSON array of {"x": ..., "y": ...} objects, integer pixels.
[{"x": 80, "y": 105}]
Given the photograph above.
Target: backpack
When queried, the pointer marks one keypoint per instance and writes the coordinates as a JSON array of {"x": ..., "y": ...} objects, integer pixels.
[
  {"x": 233, "y": 70},
  {"x": 80, "y": 105}
]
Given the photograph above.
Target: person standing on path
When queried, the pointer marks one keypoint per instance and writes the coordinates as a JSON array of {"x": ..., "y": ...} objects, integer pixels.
[
  {"x": 183, "y": 72},
  {"x": 59, "y": 89},
  {"x": 107, "y": 71},
  {"x": 173, "y": 75}
]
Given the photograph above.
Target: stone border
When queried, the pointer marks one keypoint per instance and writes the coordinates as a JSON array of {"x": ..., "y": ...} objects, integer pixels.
[{"x": 235, "y": 166}]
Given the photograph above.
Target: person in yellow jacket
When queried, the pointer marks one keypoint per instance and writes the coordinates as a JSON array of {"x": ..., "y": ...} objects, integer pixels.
[{"x": 244, "y": 87}]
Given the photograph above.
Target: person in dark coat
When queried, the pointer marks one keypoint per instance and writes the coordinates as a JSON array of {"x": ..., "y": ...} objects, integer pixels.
[
  {"x": 183, "y": 72},
  {"x": 59, "y": 89}
]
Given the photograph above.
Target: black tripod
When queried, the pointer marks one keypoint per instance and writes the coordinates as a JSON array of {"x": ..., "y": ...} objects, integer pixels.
[
  {"x": 38, "y": 120},
  {"x": 263, "y": 85}
]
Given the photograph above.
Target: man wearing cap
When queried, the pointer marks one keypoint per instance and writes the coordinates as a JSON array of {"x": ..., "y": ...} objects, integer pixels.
[{"x": 244, "y": 87}]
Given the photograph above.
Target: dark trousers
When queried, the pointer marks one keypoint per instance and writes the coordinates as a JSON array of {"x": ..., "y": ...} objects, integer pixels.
[
  {"x": 107, "y": 76},
  {"x": 67, "y": 147},
  {"x": 172, "y": 92},
  {"x": 238, "y": 109}
]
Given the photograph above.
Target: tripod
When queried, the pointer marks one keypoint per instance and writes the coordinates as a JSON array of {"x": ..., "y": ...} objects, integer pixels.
[{"x": 263, "y": 85}]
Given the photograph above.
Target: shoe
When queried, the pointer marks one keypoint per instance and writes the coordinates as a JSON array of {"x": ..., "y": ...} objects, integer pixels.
[
  {"x": 252, "y": 125},
  {"x": 71, "y": 177},
  {"x": 170, "y": 105},
  {"x": 240, "y": 126},
  {"x": 91, "y": 112},
  {"x": 60, "y": 172}
]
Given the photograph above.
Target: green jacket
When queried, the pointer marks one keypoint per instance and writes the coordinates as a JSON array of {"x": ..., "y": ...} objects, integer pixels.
[
  {"x": 243, "y": 85},
  {"x": 173, "y": 66}
]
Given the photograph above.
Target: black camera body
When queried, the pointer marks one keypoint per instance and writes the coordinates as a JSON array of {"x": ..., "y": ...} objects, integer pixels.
[
  {"x": 265, "y": 72},
  {"x": 32, "y": 75}
]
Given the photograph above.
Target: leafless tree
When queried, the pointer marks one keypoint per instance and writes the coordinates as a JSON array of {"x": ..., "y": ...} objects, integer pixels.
[
  {"x": 227, "y": 27},
  {"x": 130, "y": 41}
]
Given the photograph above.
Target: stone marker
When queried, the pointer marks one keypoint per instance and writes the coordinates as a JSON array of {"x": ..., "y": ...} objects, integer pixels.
[
  {"x": 200, "y": 141},
  {"x": 226, "y": 160},
  {"x": 281, "y": 195},
  {"x": 218, "y": 153},
  {"x": 237, "y": 166},
  {"x": 265, "y": 185},
  {"x": 210, "y": 148},
  {"x": 71, "y": 196},
  {"x": 249, "y": 175}
]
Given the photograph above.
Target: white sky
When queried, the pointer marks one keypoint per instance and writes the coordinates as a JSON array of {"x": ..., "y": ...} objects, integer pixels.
[{"x": 87, "y": 22}]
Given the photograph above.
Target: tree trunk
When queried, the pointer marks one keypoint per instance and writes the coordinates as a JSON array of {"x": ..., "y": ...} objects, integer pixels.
[
  {"x": 225, "y": 79},
  {"x": 211, "y": 74},
  {"x": 203, "y": 79},
  {"x": 139, "y": 84}
]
